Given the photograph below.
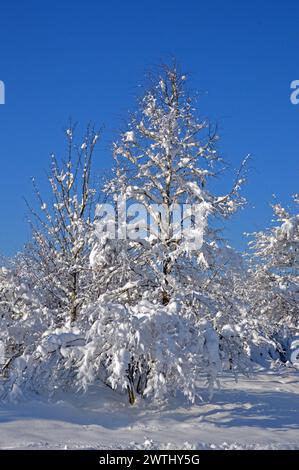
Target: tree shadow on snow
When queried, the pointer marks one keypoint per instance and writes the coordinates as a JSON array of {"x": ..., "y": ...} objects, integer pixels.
[{"x": 229, "y": 408}]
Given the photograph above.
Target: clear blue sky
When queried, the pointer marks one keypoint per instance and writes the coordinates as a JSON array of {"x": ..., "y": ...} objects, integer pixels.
[{"x": 85, "y": 59}]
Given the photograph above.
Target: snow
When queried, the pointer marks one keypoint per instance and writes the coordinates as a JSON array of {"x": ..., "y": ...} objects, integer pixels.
[
  {"x": 129, "y": 136},
  {"x": 95, "y": 139},
  {"x": 288, "y": 227},
  {"x": 58, "y": 339},
  {"x": 257, "y": 413}
]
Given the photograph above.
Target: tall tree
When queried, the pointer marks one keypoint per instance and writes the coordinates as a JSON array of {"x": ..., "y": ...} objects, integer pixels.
[{"x": 164, "y": 162}]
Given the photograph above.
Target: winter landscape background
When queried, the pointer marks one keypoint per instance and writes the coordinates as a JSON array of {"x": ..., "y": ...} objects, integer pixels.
[{"x": 149, "y": 290}]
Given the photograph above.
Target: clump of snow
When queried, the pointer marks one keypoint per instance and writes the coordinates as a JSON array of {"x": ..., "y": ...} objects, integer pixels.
[{"x": 129, "y": 136}]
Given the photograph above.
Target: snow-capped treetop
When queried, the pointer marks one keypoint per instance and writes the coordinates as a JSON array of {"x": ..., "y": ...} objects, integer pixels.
[{"x": 164, "y": 161}]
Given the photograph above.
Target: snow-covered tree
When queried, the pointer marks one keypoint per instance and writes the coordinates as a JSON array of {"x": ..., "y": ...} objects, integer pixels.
[
  {"x": 164, "y": 250},
  {"x": 270, "y": 288},
  {"x": 164, "y": 163},
  {"x": 149, "y": 350},
  {"x": 276, "y": 271},
  {"x": 59, "y": 253},
  {"x": 22, "y": 322}
]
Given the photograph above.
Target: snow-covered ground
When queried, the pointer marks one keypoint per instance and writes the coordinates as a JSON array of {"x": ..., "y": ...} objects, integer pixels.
[{"x": 262, "y": 412}]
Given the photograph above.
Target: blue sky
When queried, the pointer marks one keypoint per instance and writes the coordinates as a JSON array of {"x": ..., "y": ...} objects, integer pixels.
[{"x": 85, "y": 59}]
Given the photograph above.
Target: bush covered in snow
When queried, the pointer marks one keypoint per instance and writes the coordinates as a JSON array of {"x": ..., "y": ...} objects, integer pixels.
[{"x": 150, "y": 350}]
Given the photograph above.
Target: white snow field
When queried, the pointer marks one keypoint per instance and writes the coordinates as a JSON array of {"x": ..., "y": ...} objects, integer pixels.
[{"x": 257, "y": 413}]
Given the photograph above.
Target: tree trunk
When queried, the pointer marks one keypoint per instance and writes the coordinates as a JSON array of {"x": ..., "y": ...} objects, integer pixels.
[{"x": 74, "y": 297}]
